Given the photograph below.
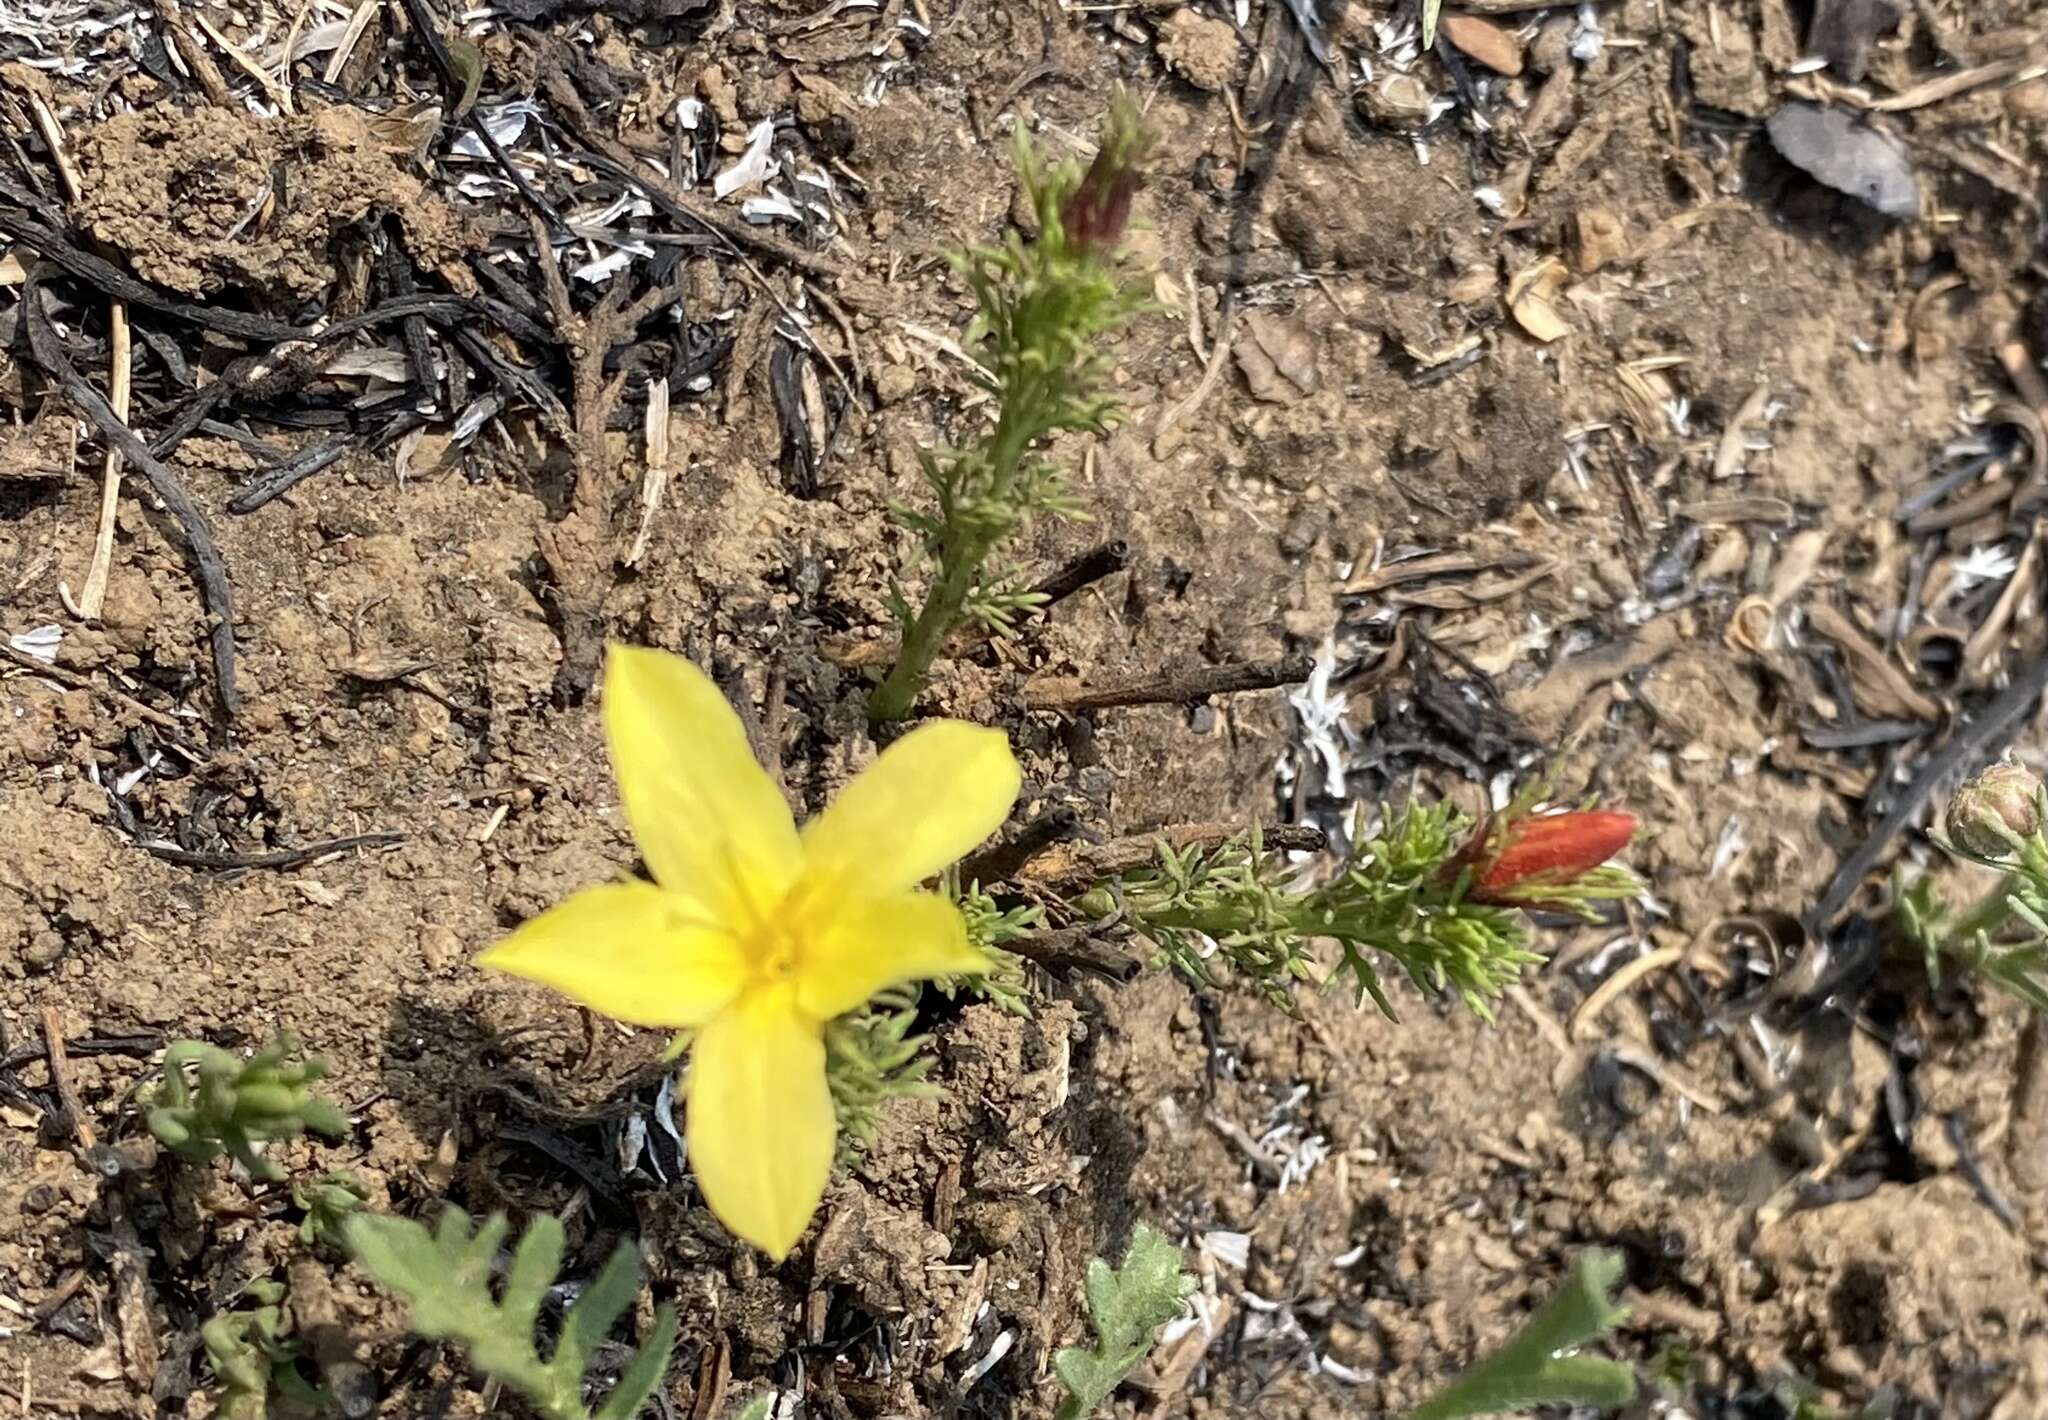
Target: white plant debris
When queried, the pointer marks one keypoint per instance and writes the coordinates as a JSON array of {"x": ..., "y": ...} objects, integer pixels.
[
  {"x": 1587, "y": 39},
  {"x": 1231, "y": 1249},
  {"x": 1729, "y": 847},
  {"x": 1987, "y": 562},
  {"x": 39, "y": 641},
  {"x": 754, "y": 166},
  {"x": 1320, "y": 713},
  {"x": 505, "y": 122},
  {"x": 990, "y": 1359}
]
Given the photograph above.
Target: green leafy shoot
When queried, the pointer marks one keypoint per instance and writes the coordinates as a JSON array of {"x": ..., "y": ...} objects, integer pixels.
[
  {"x": 1538, "y": 1364},
  {"x": 990, "y": 929},
  {"x": 1127, "y": 1305},
  {"x": 1044, "y": 310},
  {"x": 1241, "y": 904},
  {"x": 251, "y": 1359},
  {"x": 327, "y": 1201},
  {"x": 234, "y": 1107},
  {"x": 1430, "y": 10},
  {"x": 1996, "y": 821},
  {"x": 445, "y": 1277},
  {"x": 872, "y": 1057}
]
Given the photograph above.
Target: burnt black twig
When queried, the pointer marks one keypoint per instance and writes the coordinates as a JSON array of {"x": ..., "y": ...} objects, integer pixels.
[
  {"x": 1958, "y": 1130},
  {"x": 210, "y": 568},
  {"x": 107, "y": 278},
  {"x": 290, "y": 473},
  {"x": 278, "y": 858},
  {"x": 1105, "y": 560},
  {"x": 1975, "y": 741}
]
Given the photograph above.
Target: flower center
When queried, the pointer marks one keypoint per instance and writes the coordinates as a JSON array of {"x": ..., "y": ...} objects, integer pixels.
[{"x": 776, "y": 951}]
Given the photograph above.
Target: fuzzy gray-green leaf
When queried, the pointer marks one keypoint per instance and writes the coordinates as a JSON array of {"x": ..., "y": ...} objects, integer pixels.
[
  {"x": 445, "y": 1277},
  {"x": 1127, "y": 1305}
]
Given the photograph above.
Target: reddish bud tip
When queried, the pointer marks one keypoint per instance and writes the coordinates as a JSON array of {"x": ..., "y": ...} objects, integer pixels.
[
  {"x": 1096, "y": 212},
  {"x": 1553, "y": 848}
]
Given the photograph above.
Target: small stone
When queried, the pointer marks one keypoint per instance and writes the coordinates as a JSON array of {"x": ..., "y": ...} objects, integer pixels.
[
  {"x": 1484, "y": 41},
  {"x": 1395, "y": 100},
  {"x": 1598, "y": 239},
  {"x": 45, "y": 948},
  {"x": 894, "y": 382},
  {"x": 1834, "y": 146},
  {"x": 1202, "y": 51}
]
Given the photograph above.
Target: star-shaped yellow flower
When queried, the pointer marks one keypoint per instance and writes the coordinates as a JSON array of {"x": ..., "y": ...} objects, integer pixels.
[{"x": 755, "y": 935}]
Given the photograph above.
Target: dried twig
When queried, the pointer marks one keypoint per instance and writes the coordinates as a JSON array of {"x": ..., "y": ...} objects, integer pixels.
[
  {"x": 93, "y": 594},
  {"x": 78, "y": 682},
  {"x": 197, "y": 60},
  {"x": 1882, "y": 688},
  {"x": 1070, "y": 693},
  {"x": 1167, "y": 438},
  {"x": 60, "y": 1077},
  {"x": 212, "y": 572},
  {"x": 1980, "y": 652},
  {"x": 1075, "y": 949}
]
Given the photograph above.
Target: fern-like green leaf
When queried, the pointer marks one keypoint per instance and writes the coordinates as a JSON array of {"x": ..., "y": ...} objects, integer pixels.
[
  {"x": 445, "y": 1276},
  {"x": 1533, "y": 1368},
  {"x": 1127, "y": 1305}
]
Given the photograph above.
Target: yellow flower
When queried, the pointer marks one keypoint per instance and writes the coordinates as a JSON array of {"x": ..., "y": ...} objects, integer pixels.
[{"x": 755, "y": 935}]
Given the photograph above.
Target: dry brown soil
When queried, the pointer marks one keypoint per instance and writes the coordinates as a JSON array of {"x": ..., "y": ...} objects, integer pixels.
[{"x": 1790, "y": 1181}]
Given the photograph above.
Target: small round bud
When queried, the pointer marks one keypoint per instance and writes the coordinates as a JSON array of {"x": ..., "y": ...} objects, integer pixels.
[{"x": 1992, "y": 812}]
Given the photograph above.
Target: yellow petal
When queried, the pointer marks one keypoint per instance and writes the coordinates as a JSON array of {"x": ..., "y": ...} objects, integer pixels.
[
  {"x": 760, "y": 1126},
  {"x": 927, "y": 801},
  {"x": 631, "y": 951},
  {"x": 907, "y": 936},
  {"x": 708, "y": 818}
]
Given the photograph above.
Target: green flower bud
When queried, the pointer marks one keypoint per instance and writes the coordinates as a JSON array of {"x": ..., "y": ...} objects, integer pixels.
[{"x": 1992, "y": 812}]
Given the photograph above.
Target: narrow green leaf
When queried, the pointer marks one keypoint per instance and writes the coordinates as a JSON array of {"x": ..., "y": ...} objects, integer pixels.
[
  {"x": 535, "y": 1263},
  {"x": 592, "y": 1316},
  {"x": 1429, "y": 14},
  {"x": 1531, "y": 1369},
  {"x": 638, "y": 1380}
]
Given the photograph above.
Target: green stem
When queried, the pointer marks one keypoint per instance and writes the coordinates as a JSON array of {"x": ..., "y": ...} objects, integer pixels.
[
  {"x": 897, "y": 694},
  {"x": 962, "y": 554},
  {"x": 1991, "y": 912}
]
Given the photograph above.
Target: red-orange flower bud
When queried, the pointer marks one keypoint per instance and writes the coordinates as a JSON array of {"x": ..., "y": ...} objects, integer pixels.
[{"x": 1548, "y": 850}]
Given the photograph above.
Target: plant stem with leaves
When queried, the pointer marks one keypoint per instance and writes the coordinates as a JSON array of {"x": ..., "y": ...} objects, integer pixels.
[
  {"x": 233, "y": 1106},
  {"x": 1996, "y": 820},
  {"x": 1043, "y": 309},
  {"x": 1427, "y": 891}
]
